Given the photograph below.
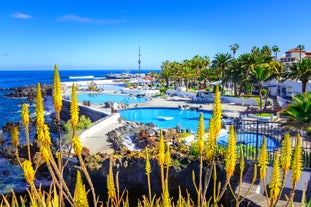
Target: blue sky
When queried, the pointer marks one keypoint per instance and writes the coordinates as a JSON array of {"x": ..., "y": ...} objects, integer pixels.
[{"x": 104, "y": 34}]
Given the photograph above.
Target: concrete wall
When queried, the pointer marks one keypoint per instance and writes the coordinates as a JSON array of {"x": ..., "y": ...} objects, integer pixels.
[
  {"x": 292, "y": 88},
  {"x": 239, "y": 101},
  {"x": 100, "y": 125},
  {"x": 89, "y": 112}
]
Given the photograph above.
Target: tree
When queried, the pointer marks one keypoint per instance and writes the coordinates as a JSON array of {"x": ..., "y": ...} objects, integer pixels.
[
  {"x": 198, "y": 64},
  {"x": 187, "y": 72},
  {"x": 235, "y": 74},
  {"x": 166, "y": 72},
  {"x": 300, "y": 70},
  {"x": 260, "y": 74},
  {"x": 222, "y": 61},
  {"x": 275, "y": 49},
  {"x": 301, "y": 48},
  {"x": 299, "y": 111},
  {"x": 234, "y": 48},
  {"x": 266, "y": 53}
]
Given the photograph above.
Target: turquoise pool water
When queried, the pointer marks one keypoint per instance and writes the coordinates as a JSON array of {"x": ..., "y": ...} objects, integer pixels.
[
  {"x": 102, "y": 98},
  {"x": 189, "y": 119},
  {"x": 167, "y": 117},
  {"x": 250, "y": 139}
]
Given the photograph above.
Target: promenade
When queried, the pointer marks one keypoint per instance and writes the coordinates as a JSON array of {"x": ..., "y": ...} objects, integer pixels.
[{"x": 95, "y": 138}]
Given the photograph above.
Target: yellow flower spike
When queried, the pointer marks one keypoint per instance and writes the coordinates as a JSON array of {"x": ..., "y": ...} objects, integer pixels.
[
  {"x": 74, "y": 108},
  {"x": 43, "y": 135},
  {"x": 110, "y": 183},
  {"x": 275, "y": 180},
  {"x": 242, "y": 161},
  {"x": 14, "y": 136},
  {"x": 25, "y": 115},
  {"x": 45, "y": 153},
  {"x": 263, "y": 159},
  {"x": 39, "y": 108},
  {"x": 77, "y": 145},
  {"x": 211, "y": 141},
  {"x": 255, "y": 174},
  {"x": 201, "y": 134},
  {"x": 166, "y": 196},
  {"x": 297, "y": 162},
  {"x": 26, "y": 121},
  {"x": 161, "y": 154},
  {"x": 46, "y": 138},
  {"x": 231, "y": 154},
  {"x": 286, "y": 152},
  {"x": 29, "y": 173},
  {"x": 80, "y": 194},
  {"x": 167, "y": 161},
  {"x": 57, "y": 92},
  {"x": 148, "y": 172},
  {"x": 217, "y": 111},
  {"x": 148, "y": 166}
]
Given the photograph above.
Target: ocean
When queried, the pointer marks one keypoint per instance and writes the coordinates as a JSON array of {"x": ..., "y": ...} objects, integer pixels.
[{"x": 11, "y": 176}]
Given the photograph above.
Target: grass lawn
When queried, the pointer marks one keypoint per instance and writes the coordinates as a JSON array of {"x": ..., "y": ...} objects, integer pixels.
[{"x": 263, "y": 115}]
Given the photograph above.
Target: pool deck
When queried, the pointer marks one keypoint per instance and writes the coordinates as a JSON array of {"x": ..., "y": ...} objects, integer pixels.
[{"x": 96, "y": 138}]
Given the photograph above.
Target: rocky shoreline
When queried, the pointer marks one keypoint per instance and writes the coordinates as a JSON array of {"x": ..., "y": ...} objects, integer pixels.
[
  {"x": 129, "y": 165},
  {"x": 29, "y": 92}
]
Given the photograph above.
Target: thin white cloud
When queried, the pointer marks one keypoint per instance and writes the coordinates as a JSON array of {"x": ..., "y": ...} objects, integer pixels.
[
  {"x": 20, "y": 15},
  {"x": 87, "y": 20}
]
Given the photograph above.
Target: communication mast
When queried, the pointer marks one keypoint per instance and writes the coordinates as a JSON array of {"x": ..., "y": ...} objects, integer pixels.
[{"x": 139, "y": 61}]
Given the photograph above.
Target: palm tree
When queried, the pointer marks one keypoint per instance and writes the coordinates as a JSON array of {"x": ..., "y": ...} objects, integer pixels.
[
  {"x": 300, "y": 47},
  {"x": 275, "y": 70},
  {"x": 198, "y": 63},
  {"x": 222, "y": 61},
  {"x": 265, "y": 53},
  {"x": 234, "y": 48},
  {"x": 260, "y": 74},
  {"x": 299, "y": 111},
  {"x": 187, "y": 72},
  {"x": 166, "y": 72},
  {"x": 235, "y": 74},
  {"x": 275, "y": 49},
  {"x": 300, "y": 70}
]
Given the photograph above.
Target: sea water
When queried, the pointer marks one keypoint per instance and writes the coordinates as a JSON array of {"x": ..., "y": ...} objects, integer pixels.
[{"x": 11, "y": 176}]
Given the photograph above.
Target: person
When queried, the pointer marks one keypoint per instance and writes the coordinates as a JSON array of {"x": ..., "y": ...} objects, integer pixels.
[{"x": 115, "y": 106}]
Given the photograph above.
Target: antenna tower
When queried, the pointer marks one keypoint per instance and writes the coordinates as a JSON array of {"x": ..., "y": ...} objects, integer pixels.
[{"x": 139, "y": 61}]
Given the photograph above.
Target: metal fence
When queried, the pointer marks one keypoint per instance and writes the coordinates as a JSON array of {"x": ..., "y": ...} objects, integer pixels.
[{"x": 250, "y": 135}]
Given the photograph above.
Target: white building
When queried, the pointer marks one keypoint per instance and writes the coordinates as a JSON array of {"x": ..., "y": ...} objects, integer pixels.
[
  {"x": 294, "y": 55},
  {"x": 289, "y": 88}
]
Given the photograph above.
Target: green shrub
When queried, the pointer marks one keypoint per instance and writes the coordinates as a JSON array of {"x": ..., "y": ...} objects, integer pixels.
[
  {"x": 163, "y": 90},
  {"x": 84, "y": 123}
]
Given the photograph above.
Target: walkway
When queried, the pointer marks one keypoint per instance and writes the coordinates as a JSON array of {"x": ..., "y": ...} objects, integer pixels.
[
  {"x": 255, "y": 195},
  {"x": 95, "y": 139}
]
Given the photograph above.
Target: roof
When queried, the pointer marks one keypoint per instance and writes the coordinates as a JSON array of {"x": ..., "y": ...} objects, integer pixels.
[{"x": 295, "y": 50}]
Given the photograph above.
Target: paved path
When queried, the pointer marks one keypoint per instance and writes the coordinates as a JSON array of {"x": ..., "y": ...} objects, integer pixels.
[
  {"x": 254, "y": 194},
  {"x": 96, "y": 139}
]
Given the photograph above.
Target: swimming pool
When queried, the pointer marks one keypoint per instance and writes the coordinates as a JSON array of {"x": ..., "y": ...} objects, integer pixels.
[
  {"x": 167, "y": 117},
  {"x": 189, "y": 119},
  {"x": 249, "y": 139},
  {"x": 102, "y": 98}
]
